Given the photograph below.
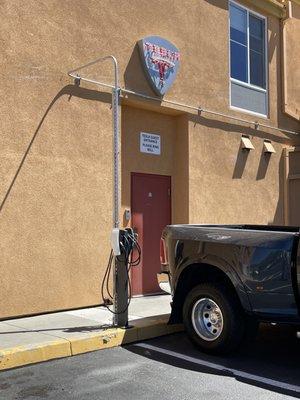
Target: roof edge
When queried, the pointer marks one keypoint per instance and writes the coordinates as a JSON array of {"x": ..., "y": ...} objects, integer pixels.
[{"x": 273, "y": 7}]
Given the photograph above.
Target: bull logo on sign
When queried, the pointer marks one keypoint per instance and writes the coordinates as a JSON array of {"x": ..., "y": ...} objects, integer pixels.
[{"x": 161, "y": 62}]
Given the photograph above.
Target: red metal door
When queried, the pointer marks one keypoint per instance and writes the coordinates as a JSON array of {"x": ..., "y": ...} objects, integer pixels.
[{"x": 151, "y": 212}]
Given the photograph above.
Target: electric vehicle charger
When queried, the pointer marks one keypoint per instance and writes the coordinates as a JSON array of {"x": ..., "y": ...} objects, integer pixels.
[{"x": 124, "y": 253}]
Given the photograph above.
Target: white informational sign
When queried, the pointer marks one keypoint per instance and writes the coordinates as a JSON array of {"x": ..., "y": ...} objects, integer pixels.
[{"x": 149, "y": 143}]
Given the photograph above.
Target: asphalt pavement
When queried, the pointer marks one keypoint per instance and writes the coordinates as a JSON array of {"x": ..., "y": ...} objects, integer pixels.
[{"x": 166, "y": 368}]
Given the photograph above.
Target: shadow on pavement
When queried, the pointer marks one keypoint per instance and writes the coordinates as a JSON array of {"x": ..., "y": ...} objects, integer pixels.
[
  {"x": 271, "y": 362},
  {"x": 79, "y": 329}
]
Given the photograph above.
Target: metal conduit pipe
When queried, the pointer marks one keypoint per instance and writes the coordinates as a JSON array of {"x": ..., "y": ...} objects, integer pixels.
[
  {"x": 207, "y": 111},
  {"x": 78, "y": 78},
  {"x": 115, "y": 125},
  {"x": 255, "y": 124},
  {"x": 116, "y": 165}
]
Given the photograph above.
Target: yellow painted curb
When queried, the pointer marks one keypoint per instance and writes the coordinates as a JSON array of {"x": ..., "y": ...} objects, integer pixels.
[
  {"x": 144, "y": 328},
  {"x": 103, "y": 340},
  {"x": 23, "y": 355},
  {"x": 148, "y": 328}
]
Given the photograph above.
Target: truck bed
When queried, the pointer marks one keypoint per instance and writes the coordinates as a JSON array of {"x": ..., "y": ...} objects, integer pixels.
[{"x": 262, "y": 261}]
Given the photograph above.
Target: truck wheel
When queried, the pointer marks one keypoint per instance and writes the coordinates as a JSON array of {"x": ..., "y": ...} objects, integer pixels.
[{"x": 213, "y": 318}]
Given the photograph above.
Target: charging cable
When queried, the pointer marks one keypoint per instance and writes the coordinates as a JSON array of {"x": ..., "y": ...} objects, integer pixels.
[{"x": 130, "y": 255}]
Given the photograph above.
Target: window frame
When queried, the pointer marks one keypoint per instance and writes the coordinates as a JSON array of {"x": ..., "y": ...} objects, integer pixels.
[{"x": 248, "y": 84}]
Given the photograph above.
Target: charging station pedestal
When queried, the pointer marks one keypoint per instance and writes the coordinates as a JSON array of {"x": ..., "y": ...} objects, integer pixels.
[
  {"x": 121, "y": 287},
  {"x": 123, "y": 243},
  {"x": 121, "y": 292}
]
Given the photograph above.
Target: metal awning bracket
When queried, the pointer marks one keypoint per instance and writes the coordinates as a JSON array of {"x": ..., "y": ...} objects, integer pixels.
[{"x": 77, "y": 80}]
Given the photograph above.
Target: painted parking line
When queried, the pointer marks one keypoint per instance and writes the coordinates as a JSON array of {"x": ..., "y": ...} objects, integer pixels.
[{"x": 217, "y": 367}]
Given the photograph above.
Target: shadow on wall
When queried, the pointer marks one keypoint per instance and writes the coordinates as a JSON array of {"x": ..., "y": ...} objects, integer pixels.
[
  {"x": 240, "y": 163},
  {"x": 272, "y": 45},
  {"x": 279, "y": 213},
  {"x": 238, "y": 128},
  {"x": 134, "y": 76},
  {"x": 69, "y": 90},
  {"x": 263, "y": 165},
  {"x": 219, "y": 3}
]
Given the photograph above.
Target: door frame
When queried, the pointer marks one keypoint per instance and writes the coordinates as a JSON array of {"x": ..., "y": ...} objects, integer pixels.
[{"x": 132, "y": 174}]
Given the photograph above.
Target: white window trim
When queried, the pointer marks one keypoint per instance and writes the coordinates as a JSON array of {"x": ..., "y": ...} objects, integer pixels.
[
  {"x": 245, "y": 111},
  {"x": 242, "y": 83},
  {"x": 249, "y": 85}
]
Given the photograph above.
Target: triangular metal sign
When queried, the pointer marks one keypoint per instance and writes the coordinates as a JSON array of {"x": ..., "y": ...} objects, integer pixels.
[{"x": 161, "y": 61}]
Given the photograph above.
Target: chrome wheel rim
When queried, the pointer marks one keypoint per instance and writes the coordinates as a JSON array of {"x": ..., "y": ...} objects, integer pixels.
[{"x": 207, "y": 319}]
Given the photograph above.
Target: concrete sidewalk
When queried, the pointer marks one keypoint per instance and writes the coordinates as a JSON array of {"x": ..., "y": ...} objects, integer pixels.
[{"x": 45, "y": 337}]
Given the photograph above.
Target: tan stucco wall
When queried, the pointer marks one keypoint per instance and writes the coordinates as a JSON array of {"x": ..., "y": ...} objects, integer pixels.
[
  {"x": 291, "y": 42},
  {"x": 55, "y": 221},
  {"x": 173, "y": 160},
  {"x": 231, "y": 185},
  {"x": 180, "y": 190},
  {"x": 204, "y": 54},
  {"x": 293, "y": 192}
]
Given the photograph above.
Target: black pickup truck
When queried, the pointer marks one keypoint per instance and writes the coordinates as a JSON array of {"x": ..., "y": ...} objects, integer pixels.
[{"x": 225, "y": 279}]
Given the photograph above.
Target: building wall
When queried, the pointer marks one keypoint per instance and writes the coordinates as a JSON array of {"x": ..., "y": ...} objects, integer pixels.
[
  {"x": 231, "y": 185},
  {"x": 173, "y": 160},
  {"x": 293, "y": 183},
  {"x": 134, "y": 121},
  {"x": 180, "y": 189},
  {"x": 204, "y": 54},
  {"x": 291, "y": 29},
  {"x": 55, "y": 222},
  {"x": 56, "y": 140}
]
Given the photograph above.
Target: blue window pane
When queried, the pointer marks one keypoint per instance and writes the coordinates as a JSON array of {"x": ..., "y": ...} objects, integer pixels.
[
  {"x": 257, "y": 33},
  {"x": 257, "y": 69},
  {"x": 257, "y": 51},
  {"x": 238, "y": 62},
  {"x": 238, "y": 24}
]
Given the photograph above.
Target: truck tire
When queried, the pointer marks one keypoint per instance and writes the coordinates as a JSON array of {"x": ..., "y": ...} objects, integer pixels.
[{"x": 214, "y": 318}]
